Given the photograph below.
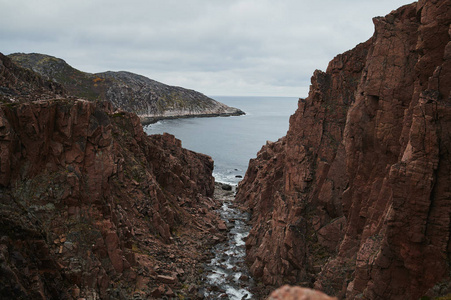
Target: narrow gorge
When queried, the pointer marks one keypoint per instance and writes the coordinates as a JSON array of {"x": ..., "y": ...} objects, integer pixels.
[{"x": 353, "y": 202}]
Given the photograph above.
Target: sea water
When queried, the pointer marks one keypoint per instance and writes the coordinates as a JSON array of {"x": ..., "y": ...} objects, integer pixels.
[{"x": 232, "y": 141}]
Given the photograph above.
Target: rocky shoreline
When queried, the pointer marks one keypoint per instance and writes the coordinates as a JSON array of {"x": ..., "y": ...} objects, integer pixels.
[{"x": 146, "y": 120}]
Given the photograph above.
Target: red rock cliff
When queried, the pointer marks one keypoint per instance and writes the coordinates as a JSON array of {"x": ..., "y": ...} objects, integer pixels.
[
  {"x": 91, "y": 207},
  {"x": 354, "y": 200}
]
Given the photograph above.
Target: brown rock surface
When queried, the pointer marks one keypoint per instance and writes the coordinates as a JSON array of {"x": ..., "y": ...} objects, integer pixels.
[
  {"x": 287, "y": 292},
  {"x": 355, "y": 199},
  {"x": 91, "y": 207}
]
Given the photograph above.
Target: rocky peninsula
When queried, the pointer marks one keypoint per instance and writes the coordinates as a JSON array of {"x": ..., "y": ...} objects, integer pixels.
[{"x": 149, "y": 99}]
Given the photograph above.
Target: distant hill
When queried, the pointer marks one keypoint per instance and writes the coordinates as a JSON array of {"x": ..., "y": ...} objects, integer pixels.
[
  {"x": 18, "y": 84},
  {"x": 149, "y": 99}
]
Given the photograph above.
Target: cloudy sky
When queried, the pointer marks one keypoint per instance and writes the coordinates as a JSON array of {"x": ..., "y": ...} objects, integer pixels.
[{"x": 218, "y": 47}]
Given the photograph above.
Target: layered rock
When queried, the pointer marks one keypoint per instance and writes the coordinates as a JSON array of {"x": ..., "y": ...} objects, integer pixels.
[
  {"x": 354, "y": 200},
  {"x": 149, "y": 99},
  {"x": 91, "y": 207}
]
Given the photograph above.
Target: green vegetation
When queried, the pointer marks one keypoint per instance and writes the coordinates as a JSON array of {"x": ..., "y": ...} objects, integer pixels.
[
  {"x": 77, "y": 83},
  {"x": 118, "y": 115}
]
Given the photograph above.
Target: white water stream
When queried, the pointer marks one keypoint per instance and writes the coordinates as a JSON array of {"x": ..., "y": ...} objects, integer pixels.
[{"x": 227, "y": 274}]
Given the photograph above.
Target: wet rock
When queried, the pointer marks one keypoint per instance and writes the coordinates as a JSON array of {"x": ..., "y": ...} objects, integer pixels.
[
  {"x": 244, "y": 278},
  {"x": 216, "y": 288},
  {"x": 226, "y": 187}
]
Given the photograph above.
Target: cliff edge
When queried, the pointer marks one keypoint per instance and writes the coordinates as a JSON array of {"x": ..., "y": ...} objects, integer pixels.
[
  {"x": 354, "y": 200},
  {"x": 90, "y": 206}
]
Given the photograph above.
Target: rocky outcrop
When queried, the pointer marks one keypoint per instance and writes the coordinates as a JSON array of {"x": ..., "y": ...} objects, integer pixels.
[
  {"x": 287, "y": 292},
  {"x": 354, "y": 201},
  {"x": 149, "y": 99},
  {"x": 93, "y": 207},
  {"x": 90, "y": 206}
]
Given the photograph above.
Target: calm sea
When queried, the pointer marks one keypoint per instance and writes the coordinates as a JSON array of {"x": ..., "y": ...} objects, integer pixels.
[{"x": 232, "y": 141}]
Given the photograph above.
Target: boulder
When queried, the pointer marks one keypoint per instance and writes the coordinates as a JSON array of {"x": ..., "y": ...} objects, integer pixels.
[
  {"x": 226, "y": 187},
  {"x": 287, "y": 292}
]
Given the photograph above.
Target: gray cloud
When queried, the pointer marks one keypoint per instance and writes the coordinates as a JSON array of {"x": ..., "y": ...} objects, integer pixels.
[{"x": 235, "y": 47}]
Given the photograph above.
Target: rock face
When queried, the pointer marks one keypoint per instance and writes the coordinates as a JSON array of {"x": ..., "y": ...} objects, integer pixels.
[
  {"x": 91, "y": 207},
  {"x": 354, "y": 200},
  {"x": 149, "y": 99}
]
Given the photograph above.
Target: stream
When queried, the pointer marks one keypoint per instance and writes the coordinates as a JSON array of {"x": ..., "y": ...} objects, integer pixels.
[{"x": 227, "y": 274}]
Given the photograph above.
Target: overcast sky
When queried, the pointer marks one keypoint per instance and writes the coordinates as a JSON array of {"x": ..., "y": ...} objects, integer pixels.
[{"x": 217, "y": 47}]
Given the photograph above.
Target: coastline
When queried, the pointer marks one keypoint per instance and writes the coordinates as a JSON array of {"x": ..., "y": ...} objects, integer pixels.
[{"x": 147, "y": 120}]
